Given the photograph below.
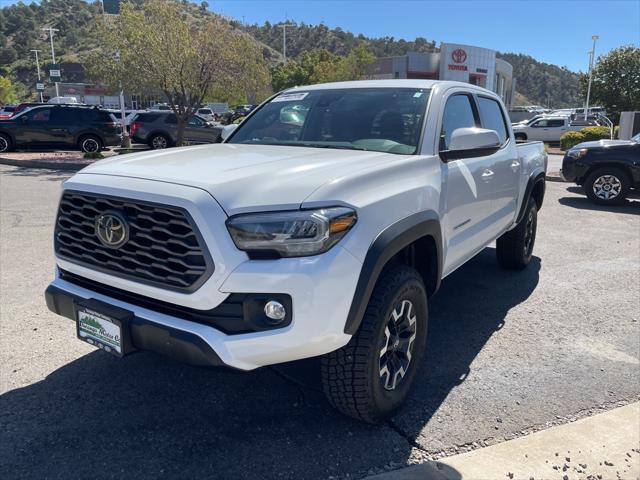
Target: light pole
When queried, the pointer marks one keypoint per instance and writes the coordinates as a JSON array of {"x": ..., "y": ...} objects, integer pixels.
[
  {"x": 38, "y": 67},
  {"x": 592, "y": 58},
  {"x": 284, "y": 40},
  {"x": 53, "y": 53}
]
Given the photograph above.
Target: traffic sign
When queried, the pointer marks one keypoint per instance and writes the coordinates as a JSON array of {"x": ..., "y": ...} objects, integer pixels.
[
  {"x": 40, "y": 87},
  {"x": 54, "y": 71}
]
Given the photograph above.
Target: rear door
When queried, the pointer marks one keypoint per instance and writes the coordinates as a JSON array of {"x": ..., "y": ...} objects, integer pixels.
[
  {"x": 63, "y": 122},
  {"x": 467, "y": 186},
  {"x": 505, "y": 166}
]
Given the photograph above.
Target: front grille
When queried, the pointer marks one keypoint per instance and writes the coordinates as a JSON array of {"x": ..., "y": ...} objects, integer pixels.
[{"x": 163, "y": 249}]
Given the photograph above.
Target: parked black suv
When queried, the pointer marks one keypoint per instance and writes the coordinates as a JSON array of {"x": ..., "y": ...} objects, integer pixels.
[
  {"x": 607, "y": 169},
  {"x": 60, "y": 126}
]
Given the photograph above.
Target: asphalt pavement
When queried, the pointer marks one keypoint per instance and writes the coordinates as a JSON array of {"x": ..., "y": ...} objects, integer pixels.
[{"x": 508, "y": 354}]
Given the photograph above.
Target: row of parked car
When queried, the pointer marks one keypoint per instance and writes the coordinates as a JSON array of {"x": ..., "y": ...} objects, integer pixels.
[{"x": 91, "y": 128}]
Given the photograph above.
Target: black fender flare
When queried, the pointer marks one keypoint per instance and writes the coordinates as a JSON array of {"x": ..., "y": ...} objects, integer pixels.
[
  {"x": 531, "y": 184},
  {"x": 388, "y": 243}
]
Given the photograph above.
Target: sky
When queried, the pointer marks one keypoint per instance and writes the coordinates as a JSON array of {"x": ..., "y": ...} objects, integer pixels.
[{"x": 557, "y": 32}]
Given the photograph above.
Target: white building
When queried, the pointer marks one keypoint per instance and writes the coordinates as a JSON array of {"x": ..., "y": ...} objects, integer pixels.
[{"x": 463, "y": 63}]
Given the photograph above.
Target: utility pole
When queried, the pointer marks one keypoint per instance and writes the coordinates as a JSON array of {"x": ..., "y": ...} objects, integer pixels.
[
  {"x": 53, "y": 53},
  {"x": 592, "y": 59},
  {"x": 284, "y": 39},
  {"x": 38, "y": 67}
]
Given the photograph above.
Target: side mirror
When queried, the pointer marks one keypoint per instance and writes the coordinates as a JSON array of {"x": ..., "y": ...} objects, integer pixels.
[
  {"x": 471, "y": 142},
  {"x": 228, "y": 130}
]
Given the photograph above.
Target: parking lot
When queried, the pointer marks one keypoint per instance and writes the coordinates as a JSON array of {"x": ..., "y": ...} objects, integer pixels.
[{"x": 508, "y": 354}]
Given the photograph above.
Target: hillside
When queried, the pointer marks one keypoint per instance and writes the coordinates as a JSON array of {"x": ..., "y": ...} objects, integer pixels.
[{"x": 21, "y": 31}]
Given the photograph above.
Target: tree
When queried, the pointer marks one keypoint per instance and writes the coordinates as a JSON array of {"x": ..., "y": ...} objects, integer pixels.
[
  {"x": 154, "y": 47},
  {"x": 616, "y": 80},
  {"x": 7, "y": 91},
  {"x": 320, "y": 66}
]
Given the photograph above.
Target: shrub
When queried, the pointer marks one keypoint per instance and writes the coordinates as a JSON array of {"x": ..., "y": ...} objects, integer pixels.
[
  {"x": 596, "y": 133},
  {"x": 571, "y": 139},
  {"x": 93, "y": 155}
]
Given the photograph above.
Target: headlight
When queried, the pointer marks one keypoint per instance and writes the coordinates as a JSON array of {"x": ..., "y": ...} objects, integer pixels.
[
  {"x": 291, "y": 234},
  {"x": 577, "y": 152}
]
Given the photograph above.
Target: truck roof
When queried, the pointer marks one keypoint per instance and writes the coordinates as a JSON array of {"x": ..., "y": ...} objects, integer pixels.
[{"x": 391, "y": 83}]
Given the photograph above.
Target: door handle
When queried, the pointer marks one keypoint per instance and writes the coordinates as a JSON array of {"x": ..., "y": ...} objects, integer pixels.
[
  {"x": 515, "y": 164},
  {"x": 487, "y": 174}
]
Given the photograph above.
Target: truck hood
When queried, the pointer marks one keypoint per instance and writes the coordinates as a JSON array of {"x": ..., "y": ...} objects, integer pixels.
[
  {"x": 245, "y": 178},
  {"x": 603, "y": 143}
]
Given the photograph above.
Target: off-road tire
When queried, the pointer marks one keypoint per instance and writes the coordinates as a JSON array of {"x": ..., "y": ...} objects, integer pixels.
[
  {"x": 351, "y": 376},
  {"x": 618, "y": 175},
  {"x": 515, "y": 247}
]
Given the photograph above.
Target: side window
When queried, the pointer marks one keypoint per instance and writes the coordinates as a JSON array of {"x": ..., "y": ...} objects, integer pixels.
[
  {"x": 40, "y": 115},
  {"x": 458, "y": 113},
  {"x": 556, "y": 123},
  {"x": 171, "y": 119},
  {"x": 196, "y": 122},
  {"x": 540, "y": 124},
  {"x": 492, "y": 117}
]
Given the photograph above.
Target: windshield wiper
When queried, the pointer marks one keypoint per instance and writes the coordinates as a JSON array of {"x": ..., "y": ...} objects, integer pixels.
[{"x": 328, "y": 145}]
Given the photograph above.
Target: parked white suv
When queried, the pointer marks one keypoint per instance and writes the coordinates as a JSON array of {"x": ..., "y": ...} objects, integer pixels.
[
  {"x": 548, "y": 128},
  {"x": 319, "y": 228}
]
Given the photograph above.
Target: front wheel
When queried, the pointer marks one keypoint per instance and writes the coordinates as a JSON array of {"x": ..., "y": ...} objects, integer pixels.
[
  {"x": 607, "y": 186},
  {"x": 515, "y": 247},
  {"x": 371, "y": 376}
]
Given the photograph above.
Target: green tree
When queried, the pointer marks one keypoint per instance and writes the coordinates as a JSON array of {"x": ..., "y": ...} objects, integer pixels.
[
  {"x": 616, "y": 80},
  {"x": 154, "y": 47},
  {"x": 7, "y": 91}
]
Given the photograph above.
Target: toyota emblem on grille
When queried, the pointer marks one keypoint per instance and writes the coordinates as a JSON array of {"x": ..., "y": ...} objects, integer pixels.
[{"x": 112, "y": 229}]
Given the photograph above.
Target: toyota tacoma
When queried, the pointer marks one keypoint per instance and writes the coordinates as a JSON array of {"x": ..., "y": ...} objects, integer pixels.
[{"x": 321, "y": 226}]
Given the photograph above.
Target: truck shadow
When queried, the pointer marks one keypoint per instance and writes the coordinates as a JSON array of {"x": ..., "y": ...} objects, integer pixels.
[{"x": 148, "y": 417}]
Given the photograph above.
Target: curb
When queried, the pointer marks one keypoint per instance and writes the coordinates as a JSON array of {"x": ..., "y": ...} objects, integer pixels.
[
  {"x": 66, "y": 166},
  {"x": 555, "y": 178}
]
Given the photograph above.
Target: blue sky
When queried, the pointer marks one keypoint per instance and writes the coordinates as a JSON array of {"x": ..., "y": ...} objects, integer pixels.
[{"x": 557, "y": 32}]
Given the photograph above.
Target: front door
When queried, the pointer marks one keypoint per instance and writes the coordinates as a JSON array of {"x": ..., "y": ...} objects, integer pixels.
[{"x": 35, "y": 128}]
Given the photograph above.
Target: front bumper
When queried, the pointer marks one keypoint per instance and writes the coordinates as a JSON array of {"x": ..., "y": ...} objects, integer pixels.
[{"x": 321, "y": 287}]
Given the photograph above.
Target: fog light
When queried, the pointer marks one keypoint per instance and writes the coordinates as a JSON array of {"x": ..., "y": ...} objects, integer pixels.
[{"x": 275, "y": 310}]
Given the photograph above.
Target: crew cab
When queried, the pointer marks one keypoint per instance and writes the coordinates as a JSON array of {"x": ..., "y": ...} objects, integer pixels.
[
  {"x": 323, "y": 233},
  {"x": 608, "y": 169},
  {"x": 549, "y": 129}
]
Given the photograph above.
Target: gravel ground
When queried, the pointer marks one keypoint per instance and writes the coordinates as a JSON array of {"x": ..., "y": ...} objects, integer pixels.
[{"x": 509, "y": 353}]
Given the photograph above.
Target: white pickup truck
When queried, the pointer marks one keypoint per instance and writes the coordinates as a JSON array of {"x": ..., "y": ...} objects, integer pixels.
[
  {"x": 320, "y": 227},
  {"x": 548, "y": 128}
]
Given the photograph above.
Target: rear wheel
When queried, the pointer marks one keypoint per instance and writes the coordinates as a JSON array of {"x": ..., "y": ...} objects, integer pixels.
[
  {"x": 371, "y": 376},
  {"x": 90, "y": 144},
  {"x": 5, "y": 143},
  {"x": 515, "y": 247},
  {"x": 607, "y": 186},
  {"x": 158, "y": 141}
]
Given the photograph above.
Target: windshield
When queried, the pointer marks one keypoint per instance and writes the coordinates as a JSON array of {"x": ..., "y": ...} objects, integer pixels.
[
  {"x": 636, "y": 138},
  {"x": 378, "y": 119}
]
